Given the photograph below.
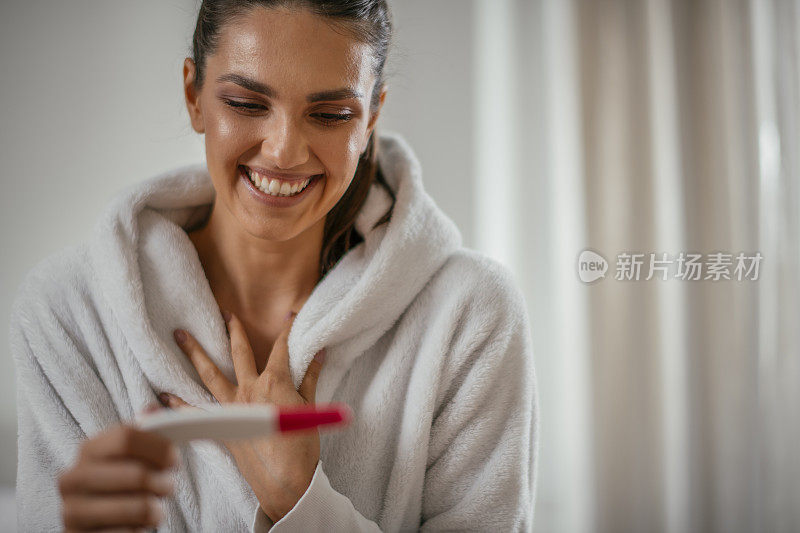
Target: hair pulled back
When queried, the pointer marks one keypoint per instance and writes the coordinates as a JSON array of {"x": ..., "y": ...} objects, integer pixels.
[{"x": 369, "y": 21}]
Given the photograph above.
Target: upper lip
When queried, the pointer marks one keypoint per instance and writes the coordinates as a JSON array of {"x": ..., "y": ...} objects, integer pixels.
[{"x": 285, "y": 176}]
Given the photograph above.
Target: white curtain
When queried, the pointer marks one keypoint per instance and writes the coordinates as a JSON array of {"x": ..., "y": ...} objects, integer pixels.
[{"x": 650, "y": 126}]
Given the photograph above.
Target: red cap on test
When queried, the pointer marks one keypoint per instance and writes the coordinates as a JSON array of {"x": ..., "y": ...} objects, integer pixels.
[{"x": 310, "y": 416}]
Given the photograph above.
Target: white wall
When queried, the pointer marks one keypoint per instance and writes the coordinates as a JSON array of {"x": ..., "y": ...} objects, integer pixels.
[{"x": 90, "y": 101}]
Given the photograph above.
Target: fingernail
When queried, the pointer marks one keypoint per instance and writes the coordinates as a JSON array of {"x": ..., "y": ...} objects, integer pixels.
[
  {"x": 164, "y": 398},
  {"x": 162, "y": 482},
  {"x": 226, "y": 315},
  {"x": 320, "y": 356},
  {"x": 180, "y": 336}
]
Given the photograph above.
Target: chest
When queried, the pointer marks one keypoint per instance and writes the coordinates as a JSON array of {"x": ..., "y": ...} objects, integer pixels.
[
  {"x": 262, "y": 343},
  {"x": 261, "y": 336}
]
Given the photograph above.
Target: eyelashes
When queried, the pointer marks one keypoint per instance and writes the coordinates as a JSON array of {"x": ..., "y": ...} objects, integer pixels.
[
  {"x": 253, "y": 109},
  {"x": 244, "y": 105},
  {"x": 334, "y": 118}
]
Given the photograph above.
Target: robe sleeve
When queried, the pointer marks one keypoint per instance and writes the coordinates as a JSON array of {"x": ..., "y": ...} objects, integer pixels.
[
  {"x": 481, "y": 467},
  {"x": 48, "y": 437},
  {"x": 60, "y": 397},
  {"x": 320, "y": 508}
]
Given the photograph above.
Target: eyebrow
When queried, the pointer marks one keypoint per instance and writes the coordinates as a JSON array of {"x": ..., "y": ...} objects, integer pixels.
[{"x": 257, "y": 87}]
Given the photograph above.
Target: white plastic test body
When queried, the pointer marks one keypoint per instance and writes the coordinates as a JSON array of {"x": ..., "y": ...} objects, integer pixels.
[{"x": 240, "y": 421}]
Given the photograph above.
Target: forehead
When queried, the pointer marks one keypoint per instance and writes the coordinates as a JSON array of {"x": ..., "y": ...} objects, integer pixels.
[{"x": 292, "y": 50}]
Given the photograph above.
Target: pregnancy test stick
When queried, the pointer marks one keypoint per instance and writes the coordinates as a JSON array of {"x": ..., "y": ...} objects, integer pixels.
[{"x": 239, "y": 421}]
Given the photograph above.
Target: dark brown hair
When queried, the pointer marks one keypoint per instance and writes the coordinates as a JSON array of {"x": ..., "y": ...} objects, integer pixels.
[{"x": 369, "y": 21}]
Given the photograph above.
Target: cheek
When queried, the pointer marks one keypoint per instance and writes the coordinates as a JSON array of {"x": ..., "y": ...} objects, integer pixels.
[
  {"x": 225, "y": 139},
  {"x": 340, "y": 156}
]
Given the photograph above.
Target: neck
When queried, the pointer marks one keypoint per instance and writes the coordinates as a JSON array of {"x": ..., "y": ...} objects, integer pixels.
[{"x": 256, "y": 277}]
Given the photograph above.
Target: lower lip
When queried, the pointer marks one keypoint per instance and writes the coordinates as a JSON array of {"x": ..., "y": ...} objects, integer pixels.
[{"x": 277, "y": 201}]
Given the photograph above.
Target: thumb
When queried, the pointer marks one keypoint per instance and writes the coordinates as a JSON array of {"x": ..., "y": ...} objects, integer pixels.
[{"x": 308, "y": 387}]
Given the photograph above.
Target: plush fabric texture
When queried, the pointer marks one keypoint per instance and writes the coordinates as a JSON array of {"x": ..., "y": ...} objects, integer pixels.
[{"x": 427, "y": 341}]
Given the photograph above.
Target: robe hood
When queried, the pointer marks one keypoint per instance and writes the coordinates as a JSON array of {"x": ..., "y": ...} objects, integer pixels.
[{"x": 150, "y": 274}]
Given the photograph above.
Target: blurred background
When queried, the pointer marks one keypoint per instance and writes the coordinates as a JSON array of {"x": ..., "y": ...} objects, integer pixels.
[{"x": 544, "y": 128}]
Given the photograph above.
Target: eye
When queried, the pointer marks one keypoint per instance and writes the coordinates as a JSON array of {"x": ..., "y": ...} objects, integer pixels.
[
  {"x": 246, "y": 106},
  {"x": 333, "y": 118},
  {"x": 328, "y": 119}
]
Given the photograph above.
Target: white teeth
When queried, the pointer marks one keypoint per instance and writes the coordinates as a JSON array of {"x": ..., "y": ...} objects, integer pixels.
[{"x": 275, "y": 187}]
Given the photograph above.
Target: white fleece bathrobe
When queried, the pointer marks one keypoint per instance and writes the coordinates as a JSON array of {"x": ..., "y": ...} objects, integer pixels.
[{"x": 428, "y": 342}]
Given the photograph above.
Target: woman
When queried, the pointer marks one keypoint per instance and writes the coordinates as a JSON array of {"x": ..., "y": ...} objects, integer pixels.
[{"x": 303, "y": 263}]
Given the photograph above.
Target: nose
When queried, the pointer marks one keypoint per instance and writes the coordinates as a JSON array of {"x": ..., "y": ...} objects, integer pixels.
[{"x": 284, "y": 143}]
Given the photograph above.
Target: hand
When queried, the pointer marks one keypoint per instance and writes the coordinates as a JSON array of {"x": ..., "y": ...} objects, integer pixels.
[
  {"x": 278, "y": 468},
  {"x": 117, "y": 480}
]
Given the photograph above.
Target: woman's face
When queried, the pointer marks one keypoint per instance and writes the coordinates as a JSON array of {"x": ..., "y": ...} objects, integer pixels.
[{"x": 284, "y": 96}]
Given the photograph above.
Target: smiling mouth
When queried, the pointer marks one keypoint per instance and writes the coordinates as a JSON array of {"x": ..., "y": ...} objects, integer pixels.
[{"x": 276, "y": 187}]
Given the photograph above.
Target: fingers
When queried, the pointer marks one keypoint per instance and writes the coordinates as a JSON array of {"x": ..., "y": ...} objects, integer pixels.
[
  {"x": 117, "y": 480},
  {"x": 308, "y": 387},
  {"x": 214, "y": 380},
  {"x": 278, "y": 361},
  {"x": 128, "y": 441},
  {"x": 244, "y": 363},
  {"x": 85, "y": 511},
  {"x": 116, "y": 476}
]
